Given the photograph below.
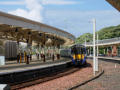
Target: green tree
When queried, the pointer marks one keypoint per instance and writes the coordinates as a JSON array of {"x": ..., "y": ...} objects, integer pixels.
[
  {"x": 81, "y": 39},
  {"x": 105, "y": 33}
]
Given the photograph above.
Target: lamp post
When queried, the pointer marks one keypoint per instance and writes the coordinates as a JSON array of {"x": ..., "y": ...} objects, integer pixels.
[
  {"x": 85, "y": 42},
  {"x": 97, "y": 54},
  {"x": 95, "y": 63},
  {"x": 94, "y": 56}
]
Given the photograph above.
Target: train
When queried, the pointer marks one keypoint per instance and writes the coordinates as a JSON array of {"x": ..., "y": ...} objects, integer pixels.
[
  {"x": 65, "y": 53},
  {"x": 76, "y": 52}
]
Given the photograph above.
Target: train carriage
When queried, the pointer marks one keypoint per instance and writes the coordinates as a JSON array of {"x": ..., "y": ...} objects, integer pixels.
[
  {"x": 78, "y": 53},
  {"x": 65, "y": 53}
]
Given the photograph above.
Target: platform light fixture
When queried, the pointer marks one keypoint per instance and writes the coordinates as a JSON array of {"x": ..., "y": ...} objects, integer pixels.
[
  {"x": 40, "y": 34},
  {"x": 47, "y": 36},
  {"x": 29, "y": 33},
  {"x": 16, "y": 30}
]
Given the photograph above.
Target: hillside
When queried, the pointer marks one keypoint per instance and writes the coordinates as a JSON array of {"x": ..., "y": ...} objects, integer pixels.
[
  {"x": 81, "y": 39},
  {"x": 105, "y": 33}
]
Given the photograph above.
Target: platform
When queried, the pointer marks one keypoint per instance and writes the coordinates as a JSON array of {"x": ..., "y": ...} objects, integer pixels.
[
  {"x": 106, "y": 58},
  {"x": 12, "y": 74},
  {"x": 18, "y": 67},
  {"x": 110, "y": 58}
]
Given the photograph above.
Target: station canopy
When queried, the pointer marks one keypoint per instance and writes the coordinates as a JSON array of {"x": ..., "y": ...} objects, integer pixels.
[
  {"x": 115, "y": 3},
  {"x": 19, "y": 34},
  {"x": 20, "y": 29}
]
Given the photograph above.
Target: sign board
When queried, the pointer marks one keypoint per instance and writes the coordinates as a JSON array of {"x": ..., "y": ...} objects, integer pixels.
[
  {"x": 2, "y": 60},
  {"x": 115, "y": 3}
]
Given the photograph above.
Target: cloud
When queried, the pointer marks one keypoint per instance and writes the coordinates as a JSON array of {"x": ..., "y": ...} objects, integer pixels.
[
  {"x": 12, "y": 2},
  {"x": 44, "y": 2},
  {"x": 34, "y": 8},
  {"x": 58, "y": 2},
  {"x": 33, "y": 12},
  {"x": 73, "y": 21},
  {"x": 77, "y": 22}
]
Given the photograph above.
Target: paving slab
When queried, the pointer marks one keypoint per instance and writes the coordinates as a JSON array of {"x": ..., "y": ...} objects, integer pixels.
[{"x": 110, "y": 80}]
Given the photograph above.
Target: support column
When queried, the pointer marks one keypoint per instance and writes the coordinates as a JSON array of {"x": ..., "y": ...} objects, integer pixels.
[
  {"x": 107, "y": 51},
  {"x": 111, "y": 51},
  {"x": 53, "y": 56},
  {"x": 90, "y": 51},
  {"x": 97, "y": 54},
  {"x": 53, "y": 47},
  {"x": 18, "y": 53},
  {"x": 95, "y": 63},
  {"x": 37, "y": 53},
  {"x": 29, "y": 44},
  {"x": 44, "y": 55},
  {"x": 28, "y": 53},
  {"x": 118, "y": 51},
  {"x": 44, "y": 59},
  {"x": 104, "y": 51},
  {"x": 58, "y": 52},
  {"x": 114, "y": 50}
]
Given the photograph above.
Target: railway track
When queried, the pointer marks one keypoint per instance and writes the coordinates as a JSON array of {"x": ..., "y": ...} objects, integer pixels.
[{"x": 46, "y": 78}]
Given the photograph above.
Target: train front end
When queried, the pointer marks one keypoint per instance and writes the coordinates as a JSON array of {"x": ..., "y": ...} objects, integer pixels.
[{"x": 78, "y": 53}]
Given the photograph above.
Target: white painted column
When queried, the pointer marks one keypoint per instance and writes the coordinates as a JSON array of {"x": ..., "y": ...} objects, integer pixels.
[
  {"x": 85, "y": 42},
  {"x": 94, "y": 48},
  {"x": 97, "y": 54},
  {"x": 104, "y": 51},
  {"x": 90, "y": 51}
]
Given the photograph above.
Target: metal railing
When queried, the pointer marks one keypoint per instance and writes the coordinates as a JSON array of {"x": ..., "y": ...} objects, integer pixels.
[{"x": 105, "y": 41}]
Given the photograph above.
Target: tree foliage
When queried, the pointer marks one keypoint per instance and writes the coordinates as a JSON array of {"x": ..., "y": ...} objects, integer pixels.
[
  {"x": 109, "y": 32},
  {"x": 105, "y": 33},
  {"x": 81, "y": 39}
]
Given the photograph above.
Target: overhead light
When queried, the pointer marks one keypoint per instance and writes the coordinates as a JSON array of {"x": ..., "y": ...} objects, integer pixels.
[
  {"x": 47, "y": 36},
  {"x": 16, "y": 30},
  {"x": 29, "y": 33},
  {"x": 40, "y": 34}
]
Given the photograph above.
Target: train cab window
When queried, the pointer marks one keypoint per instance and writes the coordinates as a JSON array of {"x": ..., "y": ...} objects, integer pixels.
[
  {"x": 74, "y": 50},
  {"x": 83, "y": 51},
  {"x": 78, "y": 49}
]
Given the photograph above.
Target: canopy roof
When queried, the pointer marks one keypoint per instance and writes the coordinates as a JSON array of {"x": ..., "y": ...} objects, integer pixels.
[
  {"x": 115, "y": 3},
  {"x": 24, "y": 30}
]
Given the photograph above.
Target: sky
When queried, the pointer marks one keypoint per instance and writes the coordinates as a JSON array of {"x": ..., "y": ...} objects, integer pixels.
[{"x": 73, "y": 16}]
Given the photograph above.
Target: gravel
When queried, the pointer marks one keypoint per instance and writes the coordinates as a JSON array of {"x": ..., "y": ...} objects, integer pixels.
[{"x": 66, "y": 82}]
